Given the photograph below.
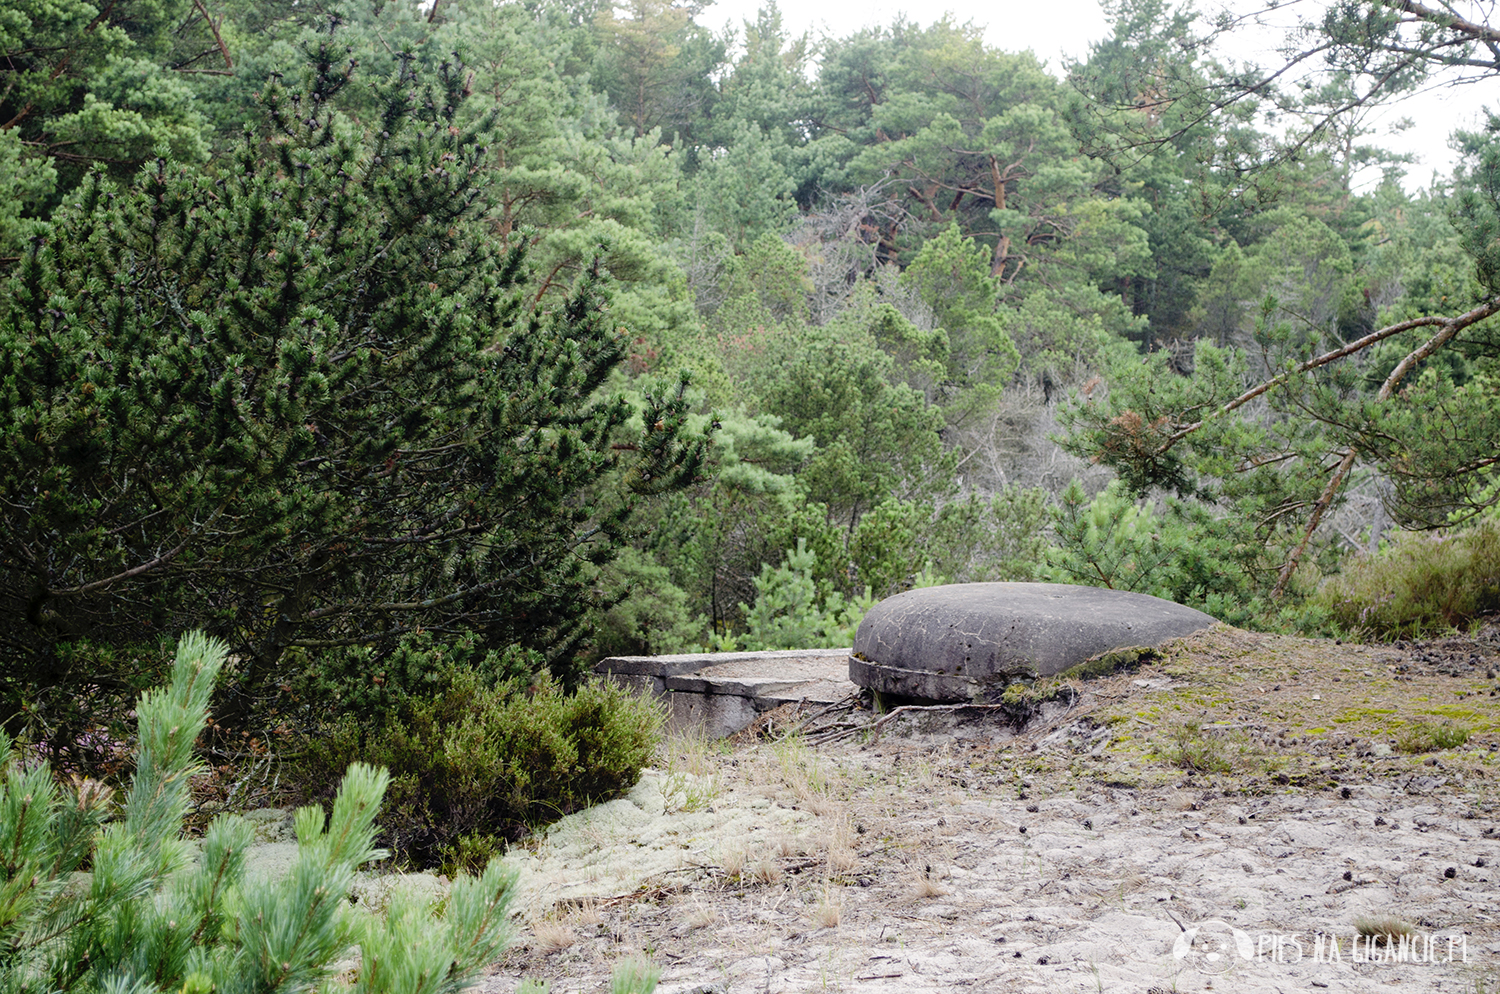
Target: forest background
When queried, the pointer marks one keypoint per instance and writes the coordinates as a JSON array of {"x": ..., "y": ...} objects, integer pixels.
[{"x": 930, "y": 312}]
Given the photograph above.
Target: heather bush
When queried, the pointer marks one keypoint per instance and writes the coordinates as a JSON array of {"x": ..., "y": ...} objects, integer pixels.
[
  {"x": 473, "y": 764},
  {"x": 1422, "y": 583}
]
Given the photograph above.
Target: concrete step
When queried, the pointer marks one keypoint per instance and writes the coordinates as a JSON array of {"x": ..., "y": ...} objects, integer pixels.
[{"x": 722, "y": 692}]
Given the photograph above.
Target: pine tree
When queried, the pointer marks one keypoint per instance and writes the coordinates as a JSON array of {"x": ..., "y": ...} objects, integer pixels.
[
  {"x": 301, "y": 401},
  {"x": 150, "y": 917}
]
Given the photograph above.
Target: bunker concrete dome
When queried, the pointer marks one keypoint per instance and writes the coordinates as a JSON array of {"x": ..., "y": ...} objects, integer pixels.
[{"x": 966, "y": 641}]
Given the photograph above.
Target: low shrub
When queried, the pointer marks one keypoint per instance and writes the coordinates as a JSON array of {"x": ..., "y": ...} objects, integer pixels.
[
  {"x": 1422, "y": 584},
  {"x": 155, "y": 914},
  {"x": 1425, "y": 736},
  {"x": 1193, "y": 747},
  {"x": 473, "y": 765}
]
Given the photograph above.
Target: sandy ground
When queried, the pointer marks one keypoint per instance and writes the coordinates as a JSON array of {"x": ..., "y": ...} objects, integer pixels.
[{"x": 1227, "y": 817}]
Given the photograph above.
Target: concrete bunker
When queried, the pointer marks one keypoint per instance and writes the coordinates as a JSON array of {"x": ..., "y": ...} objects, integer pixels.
[{"x": 968, "y": 641}]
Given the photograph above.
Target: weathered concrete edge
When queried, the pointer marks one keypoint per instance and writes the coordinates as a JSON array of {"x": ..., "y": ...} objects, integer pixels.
[
  {"x": 739, "y": 686},
  {"x": 691, "y": 662},
  {"x": 720, "y": 705},
  {"x": 924, "y": 684}
]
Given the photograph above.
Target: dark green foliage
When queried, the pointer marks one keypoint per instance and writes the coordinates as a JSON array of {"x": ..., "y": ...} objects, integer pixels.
[
  {"x": 886, "y": 549},
  {"x": 1250, "y": 479},
  {"x": 791, "y": 613},
  {"x": 94, "y": 85},
  {"x": 149, "y": 917},
  {"x": 647, "y": 613},
  {"x": 874, "y": 437},
  {"x": 1422, "y": 585},
  {"x": 303, "y": 402},
  {"x": 965, "y": 541},
  {"x": 951, "y": 275},
  {"x": 470, "y": 761},
  {"x": 1425, "y": 736},
  {"x": 1003, "y": 537},
  {"x": 655, "y": 64},
  {"x": 367, "y": 684},
  {"x": 714, "y": 539},
  {"x": 971, "y": 135},
  {"x": 876, "y": 268},
  {"x": 1183, "y": 554},
  {"x": 1318, "y": 280}
]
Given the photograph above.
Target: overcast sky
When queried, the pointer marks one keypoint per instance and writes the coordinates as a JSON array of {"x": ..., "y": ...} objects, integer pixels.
[{"x": 1057, "y": 30}]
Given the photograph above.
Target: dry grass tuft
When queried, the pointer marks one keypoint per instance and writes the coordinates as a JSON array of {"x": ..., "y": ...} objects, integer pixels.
[
  {"x": 732, "y": 862},
  {"x": 925, "y": 887},
  {"x": 829, "y": 910},
  {"x": 549, "y": 937},
  {"x": 586, "y": 912},
  {"x": 839, "y": 829},
  {"x": 699, "y": 916},
  {"x": 689, "y": 751},
  {"x": 841, "y": 836},
  {"x": 1385, "y": 928},
  {"x": 802, "y": 769},
  {"x": 690, "y": 779},
  {"x": 841, "y": 859},
  {"x": 767, "y": 871},
  {"x": 823, "y": 806}
]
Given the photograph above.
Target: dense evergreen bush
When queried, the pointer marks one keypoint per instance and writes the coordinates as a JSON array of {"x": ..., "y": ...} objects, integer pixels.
[
  {"x": 1122, "y": 543},
  {"x": 790, "y": 613},
  {"x": 1182, "y": 552},
  {"x": 154, "y": 913},
  {"x": 303, "y": 400},
  {"x": 643, "y": 612},
  {"x": 367, "y": 685},
  {"x": 474, "y": 764}
]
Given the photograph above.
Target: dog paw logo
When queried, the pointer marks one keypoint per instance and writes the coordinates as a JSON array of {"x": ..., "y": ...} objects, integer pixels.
[{"x": 1213, "y": 947}]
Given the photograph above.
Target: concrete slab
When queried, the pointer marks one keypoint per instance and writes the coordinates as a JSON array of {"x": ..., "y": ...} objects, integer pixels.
[
  {"x": 791, "y": 664},
  {"x": 815, "y": 692},
  {"x": 705, "y": 682},
  {"x": 722, "y": 693}
]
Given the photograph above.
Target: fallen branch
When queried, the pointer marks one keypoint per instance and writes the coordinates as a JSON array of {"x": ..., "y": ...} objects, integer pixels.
[
  {"x": 832, "y": 733},
  {"x": 879, "y": 726},
  {"x": 848, "y": 703}
]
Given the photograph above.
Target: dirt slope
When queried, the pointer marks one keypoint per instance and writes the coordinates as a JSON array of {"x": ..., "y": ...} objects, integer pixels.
[{"x": 1248, "y": 788}]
